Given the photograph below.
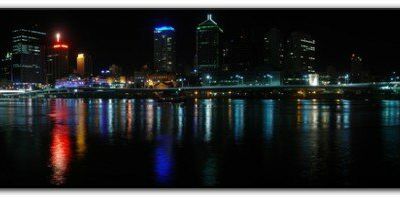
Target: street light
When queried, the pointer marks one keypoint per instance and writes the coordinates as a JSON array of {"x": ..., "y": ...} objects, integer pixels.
[
  {"x": 240, "y": 77},
  {"x": 208, "y": 77},
  {"x": 346, "y": 77},
  {"x": 181, "y": 80},
  {"x": 270, "y": 79}
]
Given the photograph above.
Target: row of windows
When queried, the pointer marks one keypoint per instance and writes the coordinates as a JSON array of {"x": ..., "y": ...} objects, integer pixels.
[{"x": 30, "y": 31}]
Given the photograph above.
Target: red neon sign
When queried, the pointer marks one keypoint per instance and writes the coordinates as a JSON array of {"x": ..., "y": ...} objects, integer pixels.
[{"x": 64, "y": 46}]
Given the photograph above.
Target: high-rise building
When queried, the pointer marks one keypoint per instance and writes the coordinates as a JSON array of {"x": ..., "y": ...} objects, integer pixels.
[
  {"x": 164, "y": 49},
  {"x": 237, "y": 52},
  {"x": 300, "y": 56},
  {"x": 208, "y": 45},
  {"x": 5, "y": 68},
  {"x": 273, "y": 50},
  {"x": 27, "y": 55},
  {"x": 84, "y": 65},
  {"x": 57, "y": 62}
]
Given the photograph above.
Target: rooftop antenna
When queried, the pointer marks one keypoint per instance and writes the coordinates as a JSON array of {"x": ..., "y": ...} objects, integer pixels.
[{"x": 58, "y": 37}]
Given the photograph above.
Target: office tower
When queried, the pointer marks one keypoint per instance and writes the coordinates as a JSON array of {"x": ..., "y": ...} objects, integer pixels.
[
  {"x": 27, "y": 55},
  {"x": 57, "y": 64},
  {"x": 208, "y": 45},
  {"x": 273, "y": 50},
  {"x": 237, "y": 52},
  {"x": 84, "y": 65},
  {"x": 164, "y": 49},
  {"x": 5, "y": 68},
  {"x": 300, "y": 56}
]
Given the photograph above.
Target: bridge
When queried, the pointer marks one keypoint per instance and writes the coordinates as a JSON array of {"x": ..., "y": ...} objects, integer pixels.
[{"x": 96, "y": 91}]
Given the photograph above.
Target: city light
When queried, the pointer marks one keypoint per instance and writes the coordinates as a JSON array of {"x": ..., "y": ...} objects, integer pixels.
[
  {"x": 164, "y": 28},
  {"x": 56, "y": 46},
  {"x": 58, "y": 37},
  {"x": 59, "y": 44},
  {"x": 313, "y": 79}
]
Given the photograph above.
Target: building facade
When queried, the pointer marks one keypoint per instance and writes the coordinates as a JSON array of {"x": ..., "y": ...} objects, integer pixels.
[
  {"x": 84, "y": 65},
  {"x": 300, "y": 56},
  {"x": 28, "y": 54},
  {"x": 6, "y": 63},
  {"x": 57, "y": 62},
  {"x": 237, "y": 53},
  {"x": 273, "y": 50},
  {"x": 164, "y": 49},
  {"x": 208, "y": 53}
]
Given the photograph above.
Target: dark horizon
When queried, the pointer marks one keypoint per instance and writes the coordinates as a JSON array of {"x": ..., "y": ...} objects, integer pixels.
[{"x": 124, "y": 36}]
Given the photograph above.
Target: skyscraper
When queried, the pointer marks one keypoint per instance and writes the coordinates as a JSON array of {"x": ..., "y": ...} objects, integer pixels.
[
  {"x": 208, "y": 45},
  {"x": 57, "y": 64},
  {"x": 27, "y": 55},
  {"x": 84, "y": 66},
  {"x": 273, "y": 50},
  {"x": 237, "y": 52},
  {"x": 5, "y": 67},
  {"x": 164, "y": 49},
  {"x": 300, "y": 57}
]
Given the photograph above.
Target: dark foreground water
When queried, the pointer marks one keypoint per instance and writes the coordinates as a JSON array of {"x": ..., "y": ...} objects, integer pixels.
[{"x": 201, "y": 143}]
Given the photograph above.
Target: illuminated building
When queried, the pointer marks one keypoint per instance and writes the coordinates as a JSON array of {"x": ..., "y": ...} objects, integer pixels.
[
  {"x": 313, "y": 79},
  {"x": 70, "y": 82},
  {"x": 6, "y": 62},
  {"x": 27, "y": 55},
  {"x": 208, "y": 45},
  {"x": 57, "y": 64},
  {"x": 84, "y": 66},
  {"x": 300, "y": 57},
  {"x": 160, "y": 80},
  {"x": 114, "y": 77},
  {"x": 164, "y": 49},
  {"x": 273, "y": 50}
]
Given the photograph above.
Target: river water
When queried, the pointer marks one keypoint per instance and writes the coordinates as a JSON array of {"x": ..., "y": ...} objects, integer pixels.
[{"x": 199, "y": 143}]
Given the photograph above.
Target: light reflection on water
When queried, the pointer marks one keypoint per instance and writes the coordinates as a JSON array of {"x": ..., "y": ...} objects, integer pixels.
[
  {"x": 318, "y": 137},
  {"x": 60, "y": 146}
]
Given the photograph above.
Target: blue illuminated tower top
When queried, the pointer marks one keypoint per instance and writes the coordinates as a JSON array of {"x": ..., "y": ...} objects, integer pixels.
[
  {"x": 163, "y": 28},
  {"x": 164, "y": 49}
]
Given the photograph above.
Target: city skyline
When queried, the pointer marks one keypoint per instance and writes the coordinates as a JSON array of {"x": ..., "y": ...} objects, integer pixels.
[
  {"x": 199, "y": 98},
  {"x": 134, "y": 52}
]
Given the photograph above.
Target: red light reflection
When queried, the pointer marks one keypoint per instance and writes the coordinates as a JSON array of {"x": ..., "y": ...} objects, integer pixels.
[{"x": 60, "y": 147}]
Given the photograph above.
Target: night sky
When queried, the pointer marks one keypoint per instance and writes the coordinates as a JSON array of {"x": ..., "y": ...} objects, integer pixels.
[{"x": 124, "y": 37}]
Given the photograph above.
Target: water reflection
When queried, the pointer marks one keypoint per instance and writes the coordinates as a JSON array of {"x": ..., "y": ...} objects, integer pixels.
[
  {"x": 81, "y": 129},
  {"x": 210, "y": 170},
  {"x": 60, "y": 148},
  {"x": 208, "y": 117},
  {"x": 238, "y": 119},
  {"x": 180, "y": 125},
  {"x": 129, "y": 118},
  {"x": 149, "y": 114},
  {"x": 213, "y": 142},
  {"x": 390, "y": 112},
  {"x": 390, "y": 116},
  {"x": 268, "y": 118}
]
